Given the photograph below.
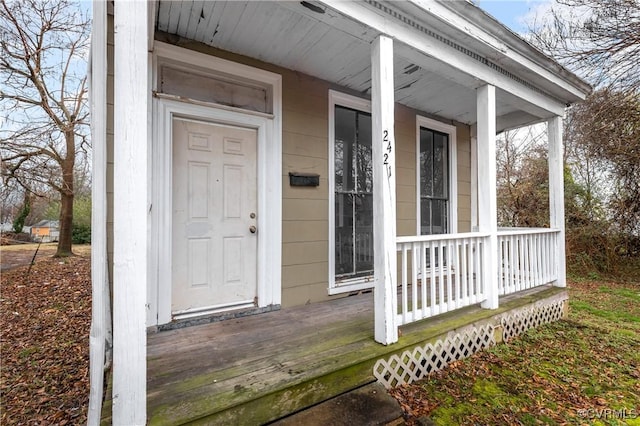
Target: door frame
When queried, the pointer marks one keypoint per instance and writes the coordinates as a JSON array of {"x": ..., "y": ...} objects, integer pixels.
[{"x": 269, "y": 183}]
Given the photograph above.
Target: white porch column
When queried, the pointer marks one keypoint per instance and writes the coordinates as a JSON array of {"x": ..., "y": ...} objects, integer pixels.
[
  {"x": 487, "y": 202},
  {"x": 131, "y": 135},
  {"x": 100, "y": 315},
  {"x": 474, "y": 179},
  {"x": 556, "y": 193},
  {"x": 384, "y": 191}
]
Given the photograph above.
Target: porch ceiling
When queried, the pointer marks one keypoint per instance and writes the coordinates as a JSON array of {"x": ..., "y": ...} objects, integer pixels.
[{"x": 335, "y": 48}]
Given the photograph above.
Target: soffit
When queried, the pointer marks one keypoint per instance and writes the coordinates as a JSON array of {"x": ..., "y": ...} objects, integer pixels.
[{"x": 331, "y": 47}]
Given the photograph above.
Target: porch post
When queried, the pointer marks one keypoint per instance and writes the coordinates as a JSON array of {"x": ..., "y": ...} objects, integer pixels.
[
  {"x": 100, "y": 303},
  {"x": 487, "y": 203},
  {"x": 384, "y": 191},
  {"x": 131, "y": 135},
  {"x": 556, "y": 193},
  {"x": 474, "y": 179}
]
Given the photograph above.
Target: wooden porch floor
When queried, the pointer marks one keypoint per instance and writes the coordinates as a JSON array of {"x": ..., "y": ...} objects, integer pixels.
[
  {"x": 256, "y": 369},
  {"x": 201, "y": 370}
]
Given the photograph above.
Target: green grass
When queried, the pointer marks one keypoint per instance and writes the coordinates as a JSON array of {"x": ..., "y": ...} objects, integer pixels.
[{"x": 581, "y": 370}]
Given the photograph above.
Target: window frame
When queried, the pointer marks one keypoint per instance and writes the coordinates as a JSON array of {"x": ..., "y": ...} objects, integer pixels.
[
  {"x": 450, "y": 130},
  {"x": 363, "y": 105}
]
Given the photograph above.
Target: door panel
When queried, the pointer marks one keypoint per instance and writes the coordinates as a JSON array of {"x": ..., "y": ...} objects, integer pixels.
[{"x": 214, "y": 197}]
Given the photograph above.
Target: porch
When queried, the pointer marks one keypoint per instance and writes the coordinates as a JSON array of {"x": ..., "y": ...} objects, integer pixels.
[
  {"x": 260, "y": 368},
  {"x": 284, "y": 70}
]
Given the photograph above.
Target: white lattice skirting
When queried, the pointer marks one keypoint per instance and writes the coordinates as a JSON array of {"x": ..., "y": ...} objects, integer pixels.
[
  {"x": 414, "y": 365},
  {"x": 516, "y": 323}
]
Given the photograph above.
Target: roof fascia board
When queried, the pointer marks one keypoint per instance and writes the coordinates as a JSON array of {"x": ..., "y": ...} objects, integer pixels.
[
  {"x": 152, "y": 20},
  {"x": 444, "y": 13},
  {"x": 411, "y": 37},
  {"x": 492, "y": 25}
]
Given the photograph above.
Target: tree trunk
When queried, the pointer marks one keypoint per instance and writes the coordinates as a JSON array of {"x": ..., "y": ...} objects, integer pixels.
[
  {"x": 66, "y": 197},
  {"x": 66, "y": 225}
]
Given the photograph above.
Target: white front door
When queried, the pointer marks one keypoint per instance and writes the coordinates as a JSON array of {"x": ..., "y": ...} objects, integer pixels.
[{"x": 214, "y": 217}]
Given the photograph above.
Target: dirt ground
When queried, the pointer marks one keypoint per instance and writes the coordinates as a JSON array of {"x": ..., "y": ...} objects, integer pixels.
[
  {"x": 44, "y": 341},
  {"x": 21, "y": 254}
]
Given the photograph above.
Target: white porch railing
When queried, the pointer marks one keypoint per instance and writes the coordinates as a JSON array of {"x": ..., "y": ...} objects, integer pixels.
[
  {"x": 527, "y": 258},
  {"x": 438, "y": 274},
  {"x": 442, "y": 273}
]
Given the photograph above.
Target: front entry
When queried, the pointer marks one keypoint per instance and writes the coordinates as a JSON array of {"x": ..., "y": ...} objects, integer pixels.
[{"x": 214, "y": 247}]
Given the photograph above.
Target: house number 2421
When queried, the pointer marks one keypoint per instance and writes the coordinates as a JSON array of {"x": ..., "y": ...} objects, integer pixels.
[{"x": 387, "y": 143}]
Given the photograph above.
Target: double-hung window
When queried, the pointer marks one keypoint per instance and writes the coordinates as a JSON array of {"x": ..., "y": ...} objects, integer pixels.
[
  {"x": 436, "y": 177},
  {"x": 434, "y": 182},
  {"x": 351, "y": 184}
]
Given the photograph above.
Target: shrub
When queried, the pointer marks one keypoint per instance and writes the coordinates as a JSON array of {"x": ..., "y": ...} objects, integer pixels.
[
  {"x": 81, "y": 234},
  {"x": 18, "y": 223}
]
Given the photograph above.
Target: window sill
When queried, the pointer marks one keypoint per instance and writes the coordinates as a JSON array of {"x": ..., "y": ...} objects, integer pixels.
[{"x": 348, "y": 286}]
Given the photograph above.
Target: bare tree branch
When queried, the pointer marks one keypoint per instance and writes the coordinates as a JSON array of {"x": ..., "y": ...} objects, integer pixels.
[
  {"x": 43, "y": 46},
  {"x": 599, "y": 39}
]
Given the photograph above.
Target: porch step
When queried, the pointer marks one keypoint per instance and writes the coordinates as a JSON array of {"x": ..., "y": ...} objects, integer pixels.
[{"x": 369, "y": 405}]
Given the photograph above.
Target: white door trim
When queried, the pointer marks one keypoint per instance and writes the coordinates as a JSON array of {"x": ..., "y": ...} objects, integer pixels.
[{"x": 269, "y": 177}]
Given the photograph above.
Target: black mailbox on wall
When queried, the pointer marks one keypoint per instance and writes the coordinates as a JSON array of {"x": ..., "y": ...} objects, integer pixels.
[{"x": 304, "y": 179}]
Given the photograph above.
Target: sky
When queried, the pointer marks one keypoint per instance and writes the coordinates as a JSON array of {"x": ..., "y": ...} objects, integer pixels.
[{"x": 510, "y": 12}]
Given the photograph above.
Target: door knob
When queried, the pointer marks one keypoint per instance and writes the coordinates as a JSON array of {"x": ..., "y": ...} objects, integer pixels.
[{"x": 253, "y": 229}]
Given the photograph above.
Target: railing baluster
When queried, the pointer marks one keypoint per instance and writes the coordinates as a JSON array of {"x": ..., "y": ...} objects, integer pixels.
[
  {"x": 514, "y": 267},
  {"x": 520, "y": 260},
  {"x": 555, "y": 256},
  {"x": 525, "y": 259},
  {"x": 463, "y": 272},
  {"x": 506, "y": 250},
  {"x": 532, "y": 265},
  {"x": 534, "y": 261},
  {"x": 480, "y": 270},
  {"x": 432, "y": 276},
  {"x": 503, "y": 258},
  {"x": 405, "y": 305},
  {"x": 470, "y": 255},
  {"x": 454, "y": 271},
  {"x": 513, "y": 264},
  {"x": 541, "y": 239},
  {"x": 547, "y": 259},
  {"x": 438, "y": 266},
  {"x": 538, "y": 252},
  {"x": 506, "y": 264},
  {"x": 443, "y": 276},
  {"x": 550, "y": 258},
  {"x": 424, "y": 281},
  {"x": 475, "y": 285},
  {"x": 432, "y": 281},
  {"x": 415, "y": 266}
]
